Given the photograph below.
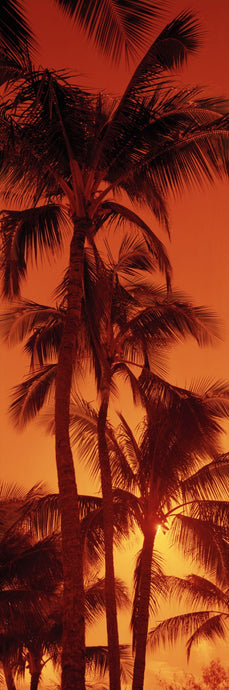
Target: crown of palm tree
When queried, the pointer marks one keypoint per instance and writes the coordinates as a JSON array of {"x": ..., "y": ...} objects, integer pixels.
[{"x": 61, "y": 142}]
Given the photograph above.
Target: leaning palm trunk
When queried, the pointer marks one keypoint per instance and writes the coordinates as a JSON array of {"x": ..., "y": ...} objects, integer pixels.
[
  {"x": 9, "y": 678},
  {"x": 106, "y": 483},
  {"x": 73, "y": 654},
  {"x": 141, "y": 624}
]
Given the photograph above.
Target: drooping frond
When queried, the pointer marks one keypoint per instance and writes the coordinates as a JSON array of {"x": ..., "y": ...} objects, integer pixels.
[
  {"x": 27, "y": 234},
  {"x": 117, "y": 27},
  {"x": 203, "y": 542},
  {"x": 117, "y": 213},
  {"x": 215, "y": 627},
  {"x": 198, "y": 591},
  {"x": 29, "y": 397},
  {"x": 209, "y": 481},
  {"x": 15, "y": 34},
  {"x": 43, "y": 325},
  {"x": 216, "y": 512},
  {"x": 169, "y": 630}
]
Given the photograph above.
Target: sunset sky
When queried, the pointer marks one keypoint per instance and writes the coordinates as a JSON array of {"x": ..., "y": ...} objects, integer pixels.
[{"x": 199, "y": 248}]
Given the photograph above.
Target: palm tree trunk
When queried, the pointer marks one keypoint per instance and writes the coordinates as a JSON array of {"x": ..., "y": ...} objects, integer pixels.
[
  {"x": 143, "y": 608},
  {"x": 111, "y": 611},
  {"x": 73, "y": 654},
  {"x": 35, "y": 665},
  {"x": 9, "y": 678}
]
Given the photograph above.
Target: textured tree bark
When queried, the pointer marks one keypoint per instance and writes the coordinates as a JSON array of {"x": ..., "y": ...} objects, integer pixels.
[
  {"x": 111, "y": 610},
  {"x": 9, "y": 678},
  {"x": 73, "y": 654},
  {"x": 143, "y": 610}
]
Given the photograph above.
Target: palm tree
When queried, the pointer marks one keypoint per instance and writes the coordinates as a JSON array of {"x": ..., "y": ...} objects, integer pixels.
[
  {"x": 61, "y": 143},
  {"x": 174, "y": 489},
  {"x": 121, "y": 327},
  {"x": 30, "y": 573},
  {"x": 208, "y": 622},
  {"x": 167, "y": 483},
  {"x": 31, "y": 580}
]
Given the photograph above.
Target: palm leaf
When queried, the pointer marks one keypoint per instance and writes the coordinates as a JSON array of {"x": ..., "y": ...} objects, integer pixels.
[
  {"x": 197, "y": 591},
  {"x": 24, "y": 233},
  {"x": 169, "y": 630},
  {"x": 202, "y": 541},
  {"x": 209, "y": 481},
  {"x": 25, "y": 316},
  {"x": 29, "y": 397},
  {"x": 115, "y": 27},
  {"x": 117, "y": 212},
  {"x": 215, "y": 627},
  {"x": 15, "y": 33}
]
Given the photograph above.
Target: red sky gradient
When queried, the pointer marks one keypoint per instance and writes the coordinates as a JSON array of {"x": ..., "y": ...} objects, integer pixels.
[{"x": 199, "y": 248}]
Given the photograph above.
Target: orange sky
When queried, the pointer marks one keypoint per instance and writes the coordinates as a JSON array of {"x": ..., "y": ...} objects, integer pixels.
[{"x": 199, "y": 248}]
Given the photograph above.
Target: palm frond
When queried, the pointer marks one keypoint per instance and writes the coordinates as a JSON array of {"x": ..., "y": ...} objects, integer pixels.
[
  {"x": 215, "y": 627},
  {"x": 204, "y": 542},
  {"x": 117, "y": 213},
  {"x": 24, "y": 234},
  {"x": 216, "y": 512},
  {"x": 169, "y": 630},
  {"x": 209, "y": 481},
  {"x": 198, "y": 591},
  {"x": 15, "y": 33},
  {"x": 116, "y": 27},
  {"x": 24, "y": 317},
  {"x": 173, "y": 45},
  {"x": 29, "y": 397}
]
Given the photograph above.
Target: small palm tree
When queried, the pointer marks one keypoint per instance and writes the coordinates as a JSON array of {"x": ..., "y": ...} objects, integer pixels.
[
  {"x": 208, "y": 618},
  {"x": 31, "y": 575},
  {"x": 66, "y": 153}
]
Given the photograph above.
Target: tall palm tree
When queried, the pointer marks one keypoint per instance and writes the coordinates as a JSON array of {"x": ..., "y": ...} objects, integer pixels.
[
  {"x": 208, "y": 618},
  {"x": 62, "y": 143},
  {"x": 121, "y": 327}
]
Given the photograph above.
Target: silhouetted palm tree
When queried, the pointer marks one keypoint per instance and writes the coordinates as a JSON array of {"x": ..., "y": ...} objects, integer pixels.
[
  {"x": 209, "y": 615},
  {"x": 31, "y": 575},
  {"x": 173, "y": 488},
  {"x": 62, "y": 143},
  {"x": 121, "y": 327},
  {"x": 166, "y": 460}
]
